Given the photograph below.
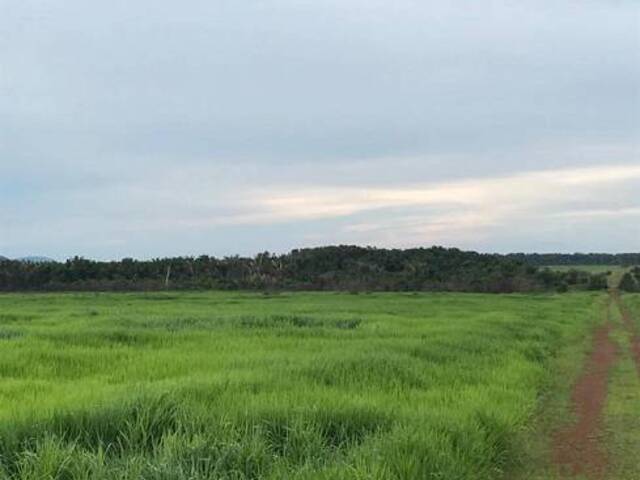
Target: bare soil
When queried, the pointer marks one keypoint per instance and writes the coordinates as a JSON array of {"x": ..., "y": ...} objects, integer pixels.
[{"x": 578, "y": 448}]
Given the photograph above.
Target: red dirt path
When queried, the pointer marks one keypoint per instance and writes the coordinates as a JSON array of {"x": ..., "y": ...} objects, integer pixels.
[{"x": 577, "y": 448}]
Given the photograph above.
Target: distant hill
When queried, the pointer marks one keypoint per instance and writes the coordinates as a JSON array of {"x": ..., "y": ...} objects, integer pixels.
[
  {"x": 29, "y": 259},
  {"x": 36, "y": 259}
]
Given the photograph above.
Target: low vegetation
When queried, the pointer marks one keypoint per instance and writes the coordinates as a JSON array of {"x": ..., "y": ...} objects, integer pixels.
[
  {"x": 621, "y": 419},
  {"x": 578, "y": 259},
  {"x": 630, "y": 281},
  {"x": 274, "y": 386}
]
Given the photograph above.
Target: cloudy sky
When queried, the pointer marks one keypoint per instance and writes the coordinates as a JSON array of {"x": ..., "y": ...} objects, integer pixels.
[{"x": 155, "y": 127}]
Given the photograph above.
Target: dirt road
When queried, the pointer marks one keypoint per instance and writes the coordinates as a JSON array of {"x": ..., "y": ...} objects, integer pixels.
[{"x": 578, "y": 449}]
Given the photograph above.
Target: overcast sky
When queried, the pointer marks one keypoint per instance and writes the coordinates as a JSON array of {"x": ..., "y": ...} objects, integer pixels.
[{"x": 155, "y": 127}]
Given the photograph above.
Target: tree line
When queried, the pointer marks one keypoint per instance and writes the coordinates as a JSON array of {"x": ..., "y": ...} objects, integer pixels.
[{"x": 344, "y": 267}]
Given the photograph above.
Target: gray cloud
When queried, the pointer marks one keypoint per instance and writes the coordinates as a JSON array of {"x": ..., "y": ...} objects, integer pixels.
[{"x": 120, "y": 120}]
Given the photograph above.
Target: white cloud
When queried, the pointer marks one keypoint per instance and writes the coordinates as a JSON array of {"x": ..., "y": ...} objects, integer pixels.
[
  {"x": 456, "y": 212},
  {"x": 500, "y": 194},
  {"x": 203, "y": 202}
]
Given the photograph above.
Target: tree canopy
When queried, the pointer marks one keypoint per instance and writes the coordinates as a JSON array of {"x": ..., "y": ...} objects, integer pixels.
[{"x": 343, "y": 267}]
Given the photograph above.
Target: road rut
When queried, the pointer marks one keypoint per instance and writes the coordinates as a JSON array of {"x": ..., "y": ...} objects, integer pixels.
[{"x": 578, "y": 448}]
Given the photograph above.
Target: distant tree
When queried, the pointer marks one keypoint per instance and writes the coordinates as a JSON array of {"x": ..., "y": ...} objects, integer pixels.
[
  {"x": 597, "y": 282},
  {"x": 629, "y": 283}
]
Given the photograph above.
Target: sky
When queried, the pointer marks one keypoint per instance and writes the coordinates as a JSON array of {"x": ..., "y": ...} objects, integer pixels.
[{"x": 162, "y": 128}]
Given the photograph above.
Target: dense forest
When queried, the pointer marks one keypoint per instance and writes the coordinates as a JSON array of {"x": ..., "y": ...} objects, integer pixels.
[
  {"x": 348, "y": 268},
  {"x": 574, "y": 259}
]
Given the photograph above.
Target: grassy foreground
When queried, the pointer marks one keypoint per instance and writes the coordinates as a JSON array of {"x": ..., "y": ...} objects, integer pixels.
[
  {"x": 622, "y": 421},
  {"x": 251, "y": 386}
]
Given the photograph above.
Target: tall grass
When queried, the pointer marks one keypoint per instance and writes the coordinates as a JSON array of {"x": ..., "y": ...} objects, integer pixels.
[{"x": 300, "y": 386}]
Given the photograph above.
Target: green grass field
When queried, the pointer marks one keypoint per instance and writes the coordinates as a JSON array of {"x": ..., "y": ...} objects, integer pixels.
[
  {"x": 587, "y": 268},
  {"x": 252, "y": 386}
]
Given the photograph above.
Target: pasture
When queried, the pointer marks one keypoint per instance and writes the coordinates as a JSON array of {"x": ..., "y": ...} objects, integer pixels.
[
  {"x": 587, "y": 268},
  {"x": 278, "y": 386}
]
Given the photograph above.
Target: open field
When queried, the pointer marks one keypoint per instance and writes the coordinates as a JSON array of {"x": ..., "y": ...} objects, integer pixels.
[
  {"x": 587, "y": 268},
  {"x": 228, "y": 385}
]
